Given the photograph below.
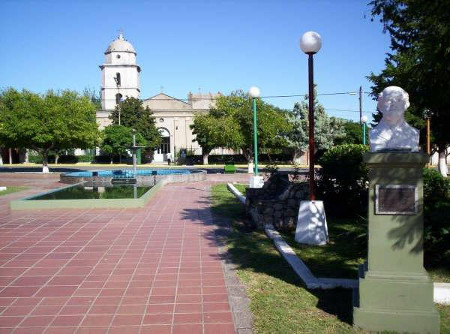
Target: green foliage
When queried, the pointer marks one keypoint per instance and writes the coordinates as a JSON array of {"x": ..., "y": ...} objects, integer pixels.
[
  {"x": 343, "y": 180},
  {"x": 118, "y": 139},
  {"x": 85, "y": 158},
  {"x": 353, "y": 133},
  {"x": 53, "y": 121},
  {"x": 213, "y": 132},
  {"x": 133, "y": 115},
  {"x": 230, "y": 124},
  {"x": 436, "y": 192},
  {"x": 94, "y": 96},
  {"x": 327, "y": 130},
  {"x": 420, "y": 61}
]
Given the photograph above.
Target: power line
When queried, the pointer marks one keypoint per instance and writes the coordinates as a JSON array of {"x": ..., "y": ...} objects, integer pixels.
[{"x": 262, "y": 97}]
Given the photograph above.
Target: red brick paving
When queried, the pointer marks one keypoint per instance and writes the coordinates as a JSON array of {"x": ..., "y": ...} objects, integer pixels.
[{"x": 150, "y": 270}]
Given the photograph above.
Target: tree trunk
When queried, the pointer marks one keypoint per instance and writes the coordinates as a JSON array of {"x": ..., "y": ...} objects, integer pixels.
[
  {"x": 442, "y": 165},
  {"x": 297, "y": 157},
  {"x": 1, "y": 159},
  {"x": 205, "y": 156},
  {"x": 56, "y": 158},
  {"x": 45, "y": 161}
]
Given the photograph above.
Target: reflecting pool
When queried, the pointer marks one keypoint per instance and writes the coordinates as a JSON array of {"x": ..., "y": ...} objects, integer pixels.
[{"x": 103, "y": 192}]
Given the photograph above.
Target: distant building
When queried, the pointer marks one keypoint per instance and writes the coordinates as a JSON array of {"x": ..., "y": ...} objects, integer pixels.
[{"x": 120, "y": 79}]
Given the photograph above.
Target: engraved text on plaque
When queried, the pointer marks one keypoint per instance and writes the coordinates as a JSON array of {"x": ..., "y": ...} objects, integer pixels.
[{"x": 396, "y": 199}]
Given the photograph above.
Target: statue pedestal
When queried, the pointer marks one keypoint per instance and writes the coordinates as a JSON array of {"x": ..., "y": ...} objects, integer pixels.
[{"x": 395, "y": 291}]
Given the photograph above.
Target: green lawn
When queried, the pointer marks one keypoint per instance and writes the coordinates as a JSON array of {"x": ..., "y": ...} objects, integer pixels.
[
  {"x": 279, "y": 301},
  {"x": 10, "y": 190}
]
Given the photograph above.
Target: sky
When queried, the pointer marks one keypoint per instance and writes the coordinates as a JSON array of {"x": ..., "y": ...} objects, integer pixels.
[{"x": 198, "y": 46}]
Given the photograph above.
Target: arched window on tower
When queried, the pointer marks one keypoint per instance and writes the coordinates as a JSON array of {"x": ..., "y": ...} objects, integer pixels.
[
  {"x": 117, "y": 79},
  {"x": 118, "y": 98}
]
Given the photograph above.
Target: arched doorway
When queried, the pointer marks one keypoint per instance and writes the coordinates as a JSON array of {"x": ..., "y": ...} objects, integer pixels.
[{"x": 162, "y": 152}]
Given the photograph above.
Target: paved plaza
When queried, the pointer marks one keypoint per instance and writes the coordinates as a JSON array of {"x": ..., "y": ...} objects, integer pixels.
[{"x": 152, "y": 270}]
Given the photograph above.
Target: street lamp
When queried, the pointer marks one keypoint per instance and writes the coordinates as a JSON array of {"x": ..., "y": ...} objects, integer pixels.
[
  {"x": 364, "y": 120},
  {"x": 311, "y": 223},
  {"x": 134, "y": 151},
  {"x": 310, "y": 43},
  {"x": 254, "y": 94},
  {"x": 256, "y": 180}
]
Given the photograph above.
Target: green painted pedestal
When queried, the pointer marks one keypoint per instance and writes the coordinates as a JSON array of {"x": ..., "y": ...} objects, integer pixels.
[{"x": 395, "y": 291}]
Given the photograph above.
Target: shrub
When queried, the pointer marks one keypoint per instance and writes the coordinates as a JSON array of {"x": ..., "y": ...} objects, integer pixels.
[
  {"x": 85, "y": 158},
  {"x": 35, "y": 159},
  {"x": 67, "y": 159},
  {"x": 342, "y": 181},
  {"x": 436, "y": 191}
]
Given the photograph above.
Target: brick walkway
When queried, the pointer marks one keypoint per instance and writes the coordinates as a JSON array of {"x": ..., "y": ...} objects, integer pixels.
[{"x": 151, "y": 270}]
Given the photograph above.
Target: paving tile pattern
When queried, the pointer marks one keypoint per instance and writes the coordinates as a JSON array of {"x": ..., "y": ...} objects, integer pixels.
[{"x": 150, "y": 270}]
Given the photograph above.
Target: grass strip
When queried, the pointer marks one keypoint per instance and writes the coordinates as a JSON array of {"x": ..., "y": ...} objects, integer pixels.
[
  {"x": 10, "y": 190},
  {"x": 278, "y": 300}
]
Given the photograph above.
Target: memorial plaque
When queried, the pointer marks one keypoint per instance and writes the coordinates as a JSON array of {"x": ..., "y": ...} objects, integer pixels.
[{"x": 396, "y": 199}]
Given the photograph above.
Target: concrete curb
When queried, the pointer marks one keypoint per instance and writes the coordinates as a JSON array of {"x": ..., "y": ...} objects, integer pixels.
[
  {"x": 441, "y": 290},
  {"x": 236, "y": 193},
  {"x": 237, "y": 295}
]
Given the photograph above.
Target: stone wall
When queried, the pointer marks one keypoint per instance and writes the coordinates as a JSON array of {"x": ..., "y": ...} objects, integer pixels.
[{"x": 277, "y": 202}]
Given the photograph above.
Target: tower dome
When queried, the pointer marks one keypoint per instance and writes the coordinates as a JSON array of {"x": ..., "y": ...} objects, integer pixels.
[
  {"x": 120, "y": 73},
  {"x": 120, "y": 45}
]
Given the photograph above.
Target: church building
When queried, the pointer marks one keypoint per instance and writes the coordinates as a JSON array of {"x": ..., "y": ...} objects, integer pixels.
[{"x": 120, "y": 79}]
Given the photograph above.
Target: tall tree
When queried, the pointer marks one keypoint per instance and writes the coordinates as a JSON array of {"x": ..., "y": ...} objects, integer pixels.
[
  {"x": 419, "y": 62},
  {"x": 94, "y": 96},
  {"x": 118, "y": 139},
  {"x": 133, "y": 115},
  {"x": 327, "y": 130},
  {"x": 236, "y": 114},
  {"x": 213, "y": 132},
  {"x": 353, "y": 133},
  {"x": 62, "y": 120}
]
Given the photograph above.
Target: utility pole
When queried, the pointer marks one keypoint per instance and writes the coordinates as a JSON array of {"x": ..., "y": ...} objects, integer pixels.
[{"x": 360, "y": 104}]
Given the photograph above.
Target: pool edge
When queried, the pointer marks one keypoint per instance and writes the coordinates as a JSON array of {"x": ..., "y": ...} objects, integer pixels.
[{"x": 27, "y": 204}]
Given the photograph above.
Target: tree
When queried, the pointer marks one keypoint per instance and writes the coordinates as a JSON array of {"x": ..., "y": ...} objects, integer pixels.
[
  {"x": 234, "y": 116},
  {"x": 133, "y": 115},
  {"x": 118, "y": 139},
  {"x": 327, "y": 130},
  {"x": 419, "y": 62},
  {"x": 94, "y": 96},
  {"x": 353, "y": 133},
  {"x": 62, "y": 120},
  {"x": 213, "y": 132}
]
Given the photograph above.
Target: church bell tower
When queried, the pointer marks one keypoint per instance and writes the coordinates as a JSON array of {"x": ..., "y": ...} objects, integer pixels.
[{"x": 120, "y": 73}]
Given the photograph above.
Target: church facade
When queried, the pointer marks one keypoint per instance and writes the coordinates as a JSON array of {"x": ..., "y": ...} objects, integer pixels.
[{"x": 120, "y": 79}]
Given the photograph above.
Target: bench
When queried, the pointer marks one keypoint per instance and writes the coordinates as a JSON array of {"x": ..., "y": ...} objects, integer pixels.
[{"x": 229, "y": 168}]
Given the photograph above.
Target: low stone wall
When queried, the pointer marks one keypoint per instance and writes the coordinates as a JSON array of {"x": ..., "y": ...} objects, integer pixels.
[{"x": 277, "y": 202}]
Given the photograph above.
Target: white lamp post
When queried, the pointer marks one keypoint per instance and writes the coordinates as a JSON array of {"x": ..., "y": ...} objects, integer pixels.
[
  {"x": 256, "y": 181},
  {"x": 311, "y": 223}
]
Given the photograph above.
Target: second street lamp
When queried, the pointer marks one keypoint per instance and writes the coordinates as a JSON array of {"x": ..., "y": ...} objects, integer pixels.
[
  {"x": 364, "y": 120},
  {"x": 256, "y": 180},
  {"x": 254, "y": 94}
]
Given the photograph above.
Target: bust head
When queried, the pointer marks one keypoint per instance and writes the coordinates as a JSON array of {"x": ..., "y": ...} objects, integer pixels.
[{"x": 392, "y": 102}]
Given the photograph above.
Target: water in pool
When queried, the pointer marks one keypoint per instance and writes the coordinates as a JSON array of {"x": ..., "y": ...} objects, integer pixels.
[{"x": 83, "y": 192}]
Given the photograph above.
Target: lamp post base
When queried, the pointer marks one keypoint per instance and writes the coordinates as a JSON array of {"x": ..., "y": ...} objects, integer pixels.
[
  {"x": 250, "y": 168},
  {"x": 311, "y": 224},
  {"x": 256, "y": 181}
]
